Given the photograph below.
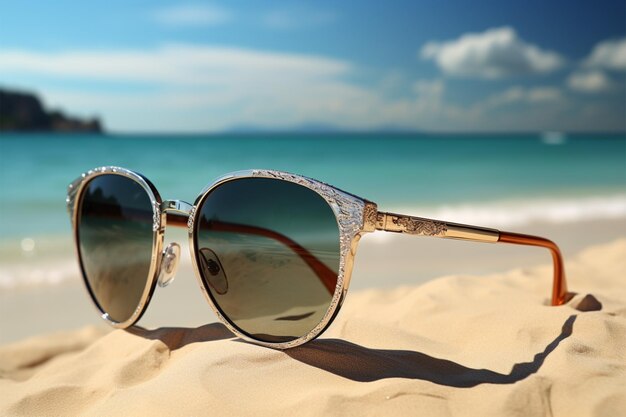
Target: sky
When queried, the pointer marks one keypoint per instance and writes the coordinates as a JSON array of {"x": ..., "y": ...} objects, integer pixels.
[{"x": 177, "y": 66}]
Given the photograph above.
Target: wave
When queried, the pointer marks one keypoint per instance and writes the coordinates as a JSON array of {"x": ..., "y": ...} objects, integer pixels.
[
  {"x": 27, "y": 274},
  {"x": 523, "y": 212},
  {"x": 553, "y": 138}
]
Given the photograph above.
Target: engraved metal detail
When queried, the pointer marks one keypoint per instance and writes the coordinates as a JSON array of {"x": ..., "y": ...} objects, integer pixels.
[
  {"x": 192, "y": 213},
  {"x": 156, "y": 216},
  {"x": 369, "y": 217},
  {"x": 416, "y": 226},
  {"x": 410, "y": 225},
  {"x": 381, "y": 217}
]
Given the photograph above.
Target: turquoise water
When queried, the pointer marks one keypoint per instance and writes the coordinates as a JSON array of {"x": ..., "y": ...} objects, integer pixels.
[{"x": 412, "y": 170}]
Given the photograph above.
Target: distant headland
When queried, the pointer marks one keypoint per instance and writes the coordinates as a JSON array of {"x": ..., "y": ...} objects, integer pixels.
[{"x": 24, "y": 112}]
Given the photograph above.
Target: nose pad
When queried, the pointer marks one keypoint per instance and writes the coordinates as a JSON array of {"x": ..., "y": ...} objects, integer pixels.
[
  {"x": 169, "y": 264},
  {"x": 213, "y": 271}
]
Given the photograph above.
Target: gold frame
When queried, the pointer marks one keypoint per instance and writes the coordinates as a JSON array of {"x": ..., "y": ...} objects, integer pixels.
[{"x": 355, "y": 217}]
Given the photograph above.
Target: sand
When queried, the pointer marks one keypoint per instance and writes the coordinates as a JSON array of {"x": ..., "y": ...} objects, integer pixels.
[{"x": 483, "y": 345}]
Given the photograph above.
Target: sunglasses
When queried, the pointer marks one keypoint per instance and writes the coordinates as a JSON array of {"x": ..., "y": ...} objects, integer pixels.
[{"x": 273, "y": 252}]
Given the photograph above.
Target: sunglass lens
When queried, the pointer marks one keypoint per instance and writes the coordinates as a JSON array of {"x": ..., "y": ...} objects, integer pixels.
[
  {"x": 115, "y": 240},
  {"x": 268, "y": 252}
]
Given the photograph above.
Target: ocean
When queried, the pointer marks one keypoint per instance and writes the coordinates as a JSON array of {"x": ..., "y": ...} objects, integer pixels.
[
  {"x": 501, "y": 181},
  {"x": 494, "y": 180}
]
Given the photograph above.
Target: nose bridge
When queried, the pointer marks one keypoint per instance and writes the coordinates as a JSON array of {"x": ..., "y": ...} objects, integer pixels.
[
  {"x": 177, "y": 212},
  {"x": 176, "y": 207}
]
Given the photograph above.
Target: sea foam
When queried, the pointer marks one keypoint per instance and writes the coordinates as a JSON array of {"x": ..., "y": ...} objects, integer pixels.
[
  {"x": 523, "y": 212},
  {"x": 29, "y": 274}
]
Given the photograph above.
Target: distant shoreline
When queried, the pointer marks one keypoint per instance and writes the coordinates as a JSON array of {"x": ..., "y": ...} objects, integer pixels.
[
  {"x": 261, "y": 133},
  {"x": 23, "y": 112}
]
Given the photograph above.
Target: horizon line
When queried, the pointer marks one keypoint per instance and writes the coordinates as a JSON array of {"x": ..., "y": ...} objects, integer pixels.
[{"x": 305, "y": 132}]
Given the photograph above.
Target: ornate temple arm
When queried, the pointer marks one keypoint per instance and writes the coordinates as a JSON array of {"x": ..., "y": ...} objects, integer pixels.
[{"x": 399, "y": 223}]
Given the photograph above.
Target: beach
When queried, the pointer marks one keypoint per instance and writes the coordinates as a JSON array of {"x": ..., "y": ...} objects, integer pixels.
[
  {"x": 313, "y": 209},
  {"x": 455, "y": 345},
  {"x": 429, "y": 327}
]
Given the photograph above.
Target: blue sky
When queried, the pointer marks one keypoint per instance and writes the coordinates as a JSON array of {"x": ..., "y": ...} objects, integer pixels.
[{"x": 430, "y": 65}]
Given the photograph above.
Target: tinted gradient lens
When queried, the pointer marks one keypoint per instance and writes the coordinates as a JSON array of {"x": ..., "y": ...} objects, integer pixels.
[
  {"x": 268, "y": 252},
  {"x": 115, "y": 238}
]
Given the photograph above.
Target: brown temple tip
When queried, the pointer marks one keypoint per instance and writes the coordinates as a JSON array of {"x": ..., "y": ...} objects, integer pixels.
[
  {"x": 569, "y": 295},
  {"x": 560, "y": 295}
]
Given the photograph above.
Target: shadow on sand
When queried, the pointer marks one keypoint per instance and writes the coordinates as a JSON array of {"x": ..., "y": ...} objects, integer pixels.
[{"x": 362, "y": 364}]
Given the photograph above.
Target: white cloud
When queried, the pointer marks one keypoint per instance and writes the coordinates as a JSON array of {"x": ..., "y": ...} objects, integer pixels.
[
  {"x": 192, "y": 15},
  {"x": 175, "y": 64},
  {"x": 589, "y": 82},
  {"x": 494, "y": 53},
  {"x": 298, "y": 18},
  {"x": 429, "y": 97},
  {"x": 429, "y": 88},
  {"x": 193, "y": 87},
  {"x": 543, "y": 94},
  {"x": 200, "y": 88},
  {"x": 521, "y": 95},
  {"x": 610, "y": 54}
]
